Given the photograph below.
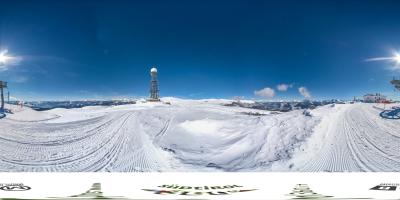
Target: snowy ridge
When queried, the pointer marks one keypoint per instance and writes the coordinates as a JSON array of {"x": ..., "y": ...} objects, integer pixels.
[
  {"x": 194, "y": 135},
  {"x": 355, "y": 139},
  {"x": 26, "y": 114}
]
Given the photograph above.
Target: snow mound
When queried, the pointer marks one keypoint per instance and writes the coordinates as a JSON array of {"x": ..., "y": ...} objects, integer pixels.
[
  {"x": 198, "y": 135},
  {"x": 26, "y": 114},
  {"x": 201, "y": 127},
  {"x": 235, "y": 142}
]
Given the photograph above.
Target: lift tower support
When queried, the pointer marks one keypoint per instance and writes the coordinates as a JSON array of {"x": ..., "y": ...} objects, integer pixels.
[{"x": 3, "y": 85}]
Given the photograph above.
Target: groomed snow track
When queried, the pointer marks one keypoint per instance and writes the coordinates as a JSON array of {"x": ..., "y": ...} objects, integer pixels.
[
  {"x": 199, "y": 136},
  {"x": 108, "y": 143},
  {"x": 357, "y": 139}
]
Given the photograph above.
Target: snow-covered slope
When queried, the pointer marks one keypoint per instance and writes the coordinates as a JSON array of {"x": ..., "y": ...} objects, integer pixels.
[
  {"x": 200, "y": 135},
  {"x": 355, "y": 138},
  {"x": 26, "y": 114}
]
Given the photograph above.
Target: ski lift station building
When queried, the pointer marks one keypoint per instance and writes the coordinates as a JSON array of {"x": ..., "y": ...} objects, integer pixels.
[{"x": 374, "y": 98}]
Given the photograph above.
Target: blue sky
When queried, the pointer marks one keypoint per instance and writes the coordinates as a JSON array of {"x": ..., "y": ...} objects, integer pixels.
[{"x": 202, "y": 49}]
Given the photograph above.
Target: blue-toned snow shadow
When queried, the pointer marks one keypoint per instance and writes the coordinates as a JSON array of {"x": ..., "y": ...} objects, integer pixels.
[
  {"x": 391, "y": 114},
  {"x": 2, "y": 113}
]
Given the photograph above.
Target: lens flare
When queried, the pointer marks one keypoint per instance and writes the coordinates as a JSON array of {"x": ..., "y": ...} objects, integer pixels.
[
  {"x": 394, "y": 58},
  {"x": 4, "y": 57}
]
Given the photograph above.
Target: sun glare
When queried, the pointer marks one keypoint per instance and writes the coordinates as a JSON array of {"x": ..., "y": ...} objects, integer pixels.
[
  {"x": 396, "y": 58},
  {"x": 3, "y": 57}
]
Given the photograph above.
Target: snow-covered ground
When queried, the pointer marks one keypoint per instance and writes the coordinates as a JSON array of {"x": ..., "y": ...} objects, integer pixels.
[{"x": 199, "y": 135}]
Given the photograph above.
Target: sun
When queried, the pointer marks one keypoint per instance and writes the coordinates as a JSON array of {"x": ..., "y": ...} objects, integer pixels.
[
  {"x": 396, "y": 58},
  {"x": 3, "y": 57}
]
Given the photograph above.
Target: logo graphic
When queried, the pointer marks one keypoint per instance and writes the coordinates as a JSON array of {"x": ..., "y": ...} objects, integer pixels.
[
  {"x": 303, "y": 191},
  {"x": 94, "y": 193},
  {"x": 14, "y": 187},
  {"x": 198, "y": 190},
  {"x": 386, "y": 187}
]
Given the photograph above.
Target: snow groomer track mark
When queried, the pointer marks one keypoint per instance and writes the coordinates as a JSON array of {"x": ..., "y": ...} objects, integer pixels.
[
  {"x": 199, "y": 136},
  {"x": 358, "y": 140}
]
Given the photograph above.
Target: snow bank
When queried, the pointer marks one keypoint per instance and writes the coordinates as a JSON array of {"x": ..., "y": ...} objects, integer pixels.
[
  {"x": 234, "y": 142},
  {"x": 198, "y": 135},
  {"x": 26, "y": 114},
  {"x": 202, "y": 127}
]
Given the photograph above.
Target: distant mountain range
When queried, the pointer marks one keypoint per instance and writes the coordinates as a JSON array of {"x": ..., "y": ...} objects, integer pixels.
[
  {"x": 271, "y": 106},
  {"x": 48, "y": 105},
  {"x": 284, "y": 106}
]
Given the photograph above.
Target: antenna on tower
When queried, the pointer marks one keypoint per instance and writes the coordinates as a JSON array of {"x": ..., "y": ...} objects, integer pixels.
[{"x": 154, "y": 95}]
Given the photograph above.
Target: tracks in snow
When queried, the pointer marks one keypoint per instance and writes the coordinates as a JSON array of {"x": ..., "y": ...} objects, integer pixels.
[
  {"x": 358, "y": 140},
  {"x": 353, "y": 138},
  {"x": 111, "y": 143}
]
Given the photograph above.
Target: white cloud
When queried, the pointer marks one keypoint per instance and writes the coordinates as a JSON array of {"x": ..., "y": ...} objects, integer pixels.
[
  {"x": 304, "y": 91},
  {"x": 265, "y": 93},
  {"x": 20, "y": 79},
  {"x": 395, "y": 68},
  {"x": 3, "y": 67},
  {"x": 284, "y": 87}
]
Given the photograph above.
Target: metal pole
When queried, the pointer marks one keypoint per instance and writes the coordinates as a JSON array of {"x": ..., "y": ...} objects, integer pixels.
[{"x": 2, "y": 97}]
